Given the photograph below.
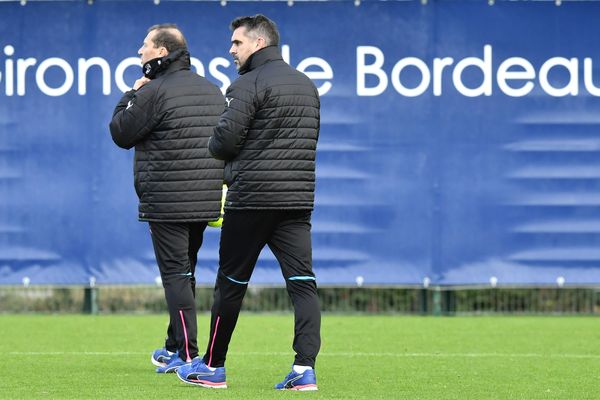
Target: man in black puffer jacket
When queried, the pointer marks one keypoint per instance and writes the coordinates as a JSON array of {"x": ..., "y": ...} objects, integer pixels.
[
  {"x": 169, "y": 116},
  {"x": 267, "y": 136}
]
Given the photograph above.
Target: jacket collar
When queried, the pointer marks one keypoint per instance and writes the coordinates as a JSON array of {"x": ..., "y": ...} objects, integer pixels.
[
  {"x": 260, "y": 57},
  {"x": 175, "y": 61}
]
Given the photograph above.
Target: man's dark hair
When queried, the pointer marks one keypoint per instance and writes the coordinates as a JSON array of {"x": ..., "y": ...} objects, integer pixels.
[
  {"x": 168, "y": 36},
  {"x": 258, "y": 25}
]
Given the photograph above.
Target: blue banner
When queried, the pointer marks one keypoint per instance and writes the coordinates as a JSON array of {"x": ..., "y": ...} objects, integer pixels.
[{"x": 459, "y": 141}]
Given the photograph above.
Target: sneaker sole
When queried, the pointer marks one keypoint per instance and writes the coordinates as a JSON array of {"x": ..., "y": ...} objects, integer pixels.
[
  {"x": 171, "y": 370},
  {"x": 157, "y": 363},
  {"x": 303, "y": 388},
  {"x": 206, "y": 384}
]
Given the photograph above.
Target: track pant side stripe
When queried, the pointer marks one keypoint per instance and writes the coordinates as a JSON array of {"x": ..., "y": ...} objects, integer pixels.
[
  {"x": 213, "y": 340},
  {"x": 187, "y": 350}
]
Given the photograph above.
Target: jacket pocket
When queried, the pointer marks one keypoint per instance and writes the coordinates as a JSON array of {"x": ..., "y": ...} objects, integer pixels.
[{"x": 229, "y": 173}]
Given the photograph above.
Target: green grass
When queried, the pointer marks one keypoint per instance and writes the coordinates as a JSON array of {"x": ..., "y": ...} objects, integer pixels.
[{"x": 362, "y": 357}]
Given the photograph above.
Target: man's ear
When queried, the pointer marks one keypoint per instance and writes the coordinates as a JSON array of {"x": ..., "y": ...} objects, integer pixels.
[{"x": 261, "y": 42}]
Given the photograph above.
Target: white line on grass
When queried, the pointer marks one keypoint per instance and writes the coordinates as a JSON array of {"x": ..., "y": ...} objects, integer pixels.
[{"x": 325, "y": 354}]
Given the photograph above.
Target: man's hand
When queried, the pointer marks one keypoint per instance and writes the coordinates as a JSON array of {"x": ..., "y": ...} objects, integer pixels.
[{"x": 140, "y": 82}]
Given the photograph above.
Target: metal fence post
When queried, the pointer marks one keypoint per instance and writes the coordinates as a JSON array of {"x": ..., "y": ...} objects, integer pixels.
[
  {"x": 90, "y": 298},
  {"x": 424, "y": 301},
  {"x": 437, "y": 301},
  {"x": 449, "y": 306}
]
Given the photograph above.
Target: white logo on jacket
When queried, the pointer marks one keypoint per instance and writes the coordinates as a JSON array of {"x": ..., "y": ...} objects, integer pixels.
[{"x": 228, "y": 100}]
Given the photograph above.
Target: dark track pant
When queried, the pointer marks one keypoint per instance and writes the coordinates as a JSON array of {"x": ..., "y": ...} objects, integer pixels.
[
  {"x": 243, "y": 236},
  {"x": 176, "y": 248}
]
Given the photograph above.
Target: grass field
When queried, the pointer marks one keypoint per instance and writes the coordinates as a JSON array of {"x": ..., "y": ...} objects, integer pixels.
[{"x": 362, "y": 357}]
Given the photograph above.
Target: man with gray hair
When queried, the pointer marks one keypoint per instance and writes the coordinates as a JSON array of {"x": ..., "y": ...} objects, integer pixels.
[
  {"x": 267, "y": 137},
  {"x": 168, "y": 117}
]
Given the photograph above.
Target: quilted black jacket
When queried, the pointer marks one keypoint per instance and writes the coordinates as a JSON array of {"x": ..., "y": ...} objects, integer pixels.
[
  {"x": 169, "y": 121},
  {"x": 268, "y": 135}
]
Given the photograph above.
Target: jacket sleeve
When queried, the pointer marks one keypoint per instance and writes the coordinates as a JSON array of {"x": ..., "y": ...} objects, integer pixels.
[
  {"x": 230, "y": 134},
  {"x": 134, "y": 117}
]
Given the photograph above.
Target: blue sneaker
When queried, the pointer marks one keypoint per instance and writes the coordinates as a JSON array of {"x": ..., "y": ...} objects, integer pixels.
[
  {"x": 172, "y": 366},
  {"x": 304, "y": 381},
  {"x": 197, "y": 373},
  {"x": 161, "y": 357}
]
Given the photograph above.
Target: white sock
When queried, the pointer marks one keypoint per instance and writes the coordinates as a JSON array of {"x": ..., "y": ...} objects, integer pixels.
[
  {"x": 170, "y": 353},
  {"x": 211, "y": 368},
  {"x": 300, "y": 368}
]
